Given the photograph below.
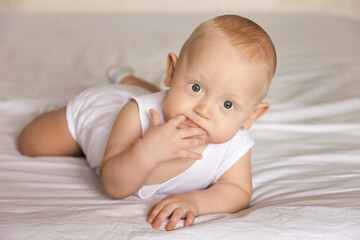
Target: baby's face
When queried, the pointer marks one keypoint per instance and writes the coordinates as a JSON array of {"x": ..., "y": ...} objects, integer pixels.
[{"x": 215, "y": 89}]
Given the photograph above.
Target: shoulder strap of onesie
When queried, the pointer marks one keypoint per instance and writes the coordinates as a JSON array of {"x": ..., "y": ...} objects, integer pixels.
[{"x": 150, "y": 101}]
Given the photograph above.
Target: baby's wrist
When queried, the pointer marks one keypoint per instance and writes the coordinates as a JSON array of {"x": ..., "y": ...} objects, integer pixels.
[{"x": 145, "y": 154}]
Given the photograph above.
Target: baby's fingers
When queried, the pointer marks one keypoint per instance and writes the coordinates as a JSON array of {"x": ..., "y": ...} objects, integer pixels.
[
  {"x": 187, "y": 154},
  {"x": 192, "y": 142},
  {"x": 177, "y": 120},
  {"x": 155, "y": 117},
  {"x": 190, "y": 218},
  {"x": 174, "y": 219},
  {"x": 191, "y": 132}
]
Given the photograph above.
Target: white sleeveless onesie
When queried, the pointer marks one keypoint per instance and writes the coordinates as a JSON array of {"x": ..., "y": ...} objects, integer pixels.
[{"x": 90, "y": 118}]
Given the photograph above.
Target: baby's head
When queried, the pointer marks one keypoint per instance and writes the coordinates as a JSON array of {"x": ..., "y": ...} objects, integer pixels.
[{"x": 222, "y": 74}]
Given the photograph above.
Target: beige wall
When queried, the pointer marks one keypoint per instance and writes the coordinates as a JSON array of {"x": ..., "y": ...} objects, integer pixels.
[{"x": 350, "y": 8}]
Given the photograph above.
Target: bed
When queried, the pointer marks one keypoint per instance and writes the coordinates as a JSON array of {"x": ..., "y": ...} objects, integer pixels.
[{"x": 306, "y": 158}]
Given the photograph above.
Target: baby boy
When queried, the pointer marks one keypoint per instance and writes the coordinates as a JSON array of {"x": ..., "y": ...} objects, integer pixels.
[{"x": 189, "y": 142}]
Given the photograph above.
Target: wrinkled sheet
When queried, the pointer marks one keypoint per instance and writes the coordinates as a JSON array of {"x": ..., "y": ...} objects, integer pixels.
[{"x": 306, "y": 158}]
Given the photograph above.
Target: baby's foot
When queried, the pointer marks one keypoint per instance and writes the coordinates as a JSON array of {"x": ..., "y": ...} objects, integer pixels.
[{"x": 116, "y": 73}]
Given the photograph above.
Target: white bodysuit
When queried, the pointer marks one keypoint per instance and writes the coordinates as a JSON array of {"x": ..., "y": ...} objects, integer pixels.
[{"x": 90, "y": 117}]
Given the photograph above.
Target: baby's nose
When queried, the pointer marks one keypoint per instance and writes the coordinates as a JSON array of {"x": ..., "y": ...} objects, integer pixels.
[{"x": 204, "y": 109}]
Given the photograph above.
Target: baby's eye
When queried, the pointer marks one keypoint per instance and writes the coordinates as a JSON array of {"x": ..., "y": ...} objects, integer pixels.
[
  {"x": 228, "y": 105},
  {"x": 195, "y": 87}
]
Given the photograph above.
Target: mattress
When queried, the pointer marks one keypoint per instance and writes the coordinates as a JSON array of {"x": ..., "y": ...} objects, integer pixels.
[{"x": 306, "y": 158}]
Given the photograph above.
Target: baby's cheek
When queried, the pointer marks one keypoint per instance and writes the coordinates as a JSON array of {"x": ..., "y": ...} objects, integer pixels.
[{"x": 170, "y": 113}]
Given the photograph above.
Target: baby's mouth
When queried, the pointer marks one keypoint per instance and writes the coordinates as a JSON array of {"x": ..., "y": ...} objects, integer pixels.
[{"x": 191, "y": 123}]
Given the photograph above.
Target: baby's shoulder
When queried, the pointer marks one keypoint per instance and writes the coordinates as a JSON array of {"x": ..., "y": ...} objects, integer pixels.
[
  {"x": 125, "y": 131},
  {"x": 128, "y": 118},
  {"x": 153, "y": 101}
]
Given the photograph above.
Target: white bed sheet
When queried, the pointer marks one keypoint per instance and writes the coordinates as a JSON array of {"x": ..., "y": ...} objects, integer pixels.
[{"x": 306, "y": 159}]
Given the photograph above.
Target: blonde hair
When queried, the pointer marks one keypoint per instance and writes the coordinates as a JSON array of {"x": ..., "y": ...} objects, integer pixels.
[{"x": 243, "y": 34}]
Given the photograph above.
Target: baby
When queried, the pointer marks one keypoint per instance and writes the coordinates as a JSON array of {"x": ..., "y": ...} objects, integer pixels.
[{"x": 189, "y": 142}]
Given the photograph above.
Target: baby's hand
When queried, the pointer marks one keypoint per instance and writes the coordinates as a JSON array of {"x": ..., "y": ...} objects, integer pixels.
[
  {"x": 167, "y": 141},
  {"x": 177, "y": 206}
]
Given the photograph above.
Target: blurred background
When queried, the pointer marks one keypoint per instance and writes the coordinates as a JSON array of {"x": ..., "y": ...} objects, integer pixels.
[
  {"x": 69, "y": 44},
  {"x": 350, "y": 8}
]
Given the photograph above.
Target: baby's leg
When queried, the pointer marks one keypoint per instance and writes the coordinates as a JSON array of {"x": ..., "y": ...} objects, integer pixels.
[
  {"x": 124, "y": 75},
  {"x": 132, "y": 80},
  {"x": 48, "y": 134}
]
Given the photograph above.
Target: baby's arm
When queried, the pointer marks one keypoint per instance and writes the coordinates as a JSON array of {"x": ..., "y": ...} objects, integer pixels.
[
  {"x": 231, "y": 193},
  {"x": 130, "y": 158}
]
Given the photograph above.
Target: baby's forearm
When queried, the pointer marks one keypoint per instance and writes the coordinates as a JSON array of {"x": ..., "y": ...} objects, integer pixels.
[
  {"x": 125, "y": 173},
  {"x": 221, "y": 198}
]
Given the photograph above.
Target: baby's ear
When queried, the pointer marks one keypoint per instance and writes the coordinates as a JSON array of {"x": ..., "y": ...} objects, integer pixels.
[
  {"x": 260, "y": 110},
  {"x": 170, "y": 69}
]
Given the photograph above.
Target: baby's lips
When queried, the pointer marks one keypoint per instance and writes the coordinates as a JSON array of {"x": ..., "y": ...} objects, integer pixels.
[{"x": 191, "y": 123}]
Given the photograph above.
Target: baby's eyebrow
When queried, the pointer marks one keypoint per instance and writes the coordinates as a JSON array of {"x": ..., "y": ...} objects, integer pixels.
[
  {"x": 237, "y": 98},
  {"x": 234, "y": 96},
  {"x": 198, "y": 74}
]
